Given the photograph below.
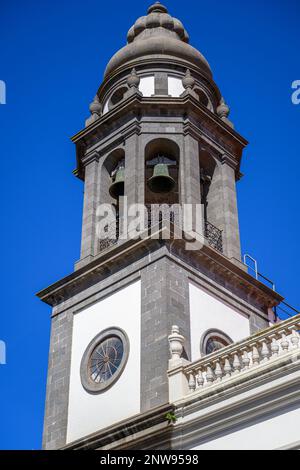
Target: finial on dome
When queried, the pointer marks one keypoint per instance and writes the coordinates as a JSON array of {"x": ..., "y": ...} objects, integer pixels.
[
  {"x": 223, "y": 110},
  {"x": 157, "y": 34},
  {"x": 95, "y": 106},
  {"x": 95, "y": 110},
  {"x": 188, "y": 81},
  {"x": 157, "y": 7},
  {"x": 133, "y": 80}
]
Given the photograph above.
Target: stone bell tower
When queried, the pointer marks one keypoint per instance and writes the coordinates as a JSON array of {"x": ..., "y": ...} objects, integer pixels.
[{"x": 158, "y": 133}]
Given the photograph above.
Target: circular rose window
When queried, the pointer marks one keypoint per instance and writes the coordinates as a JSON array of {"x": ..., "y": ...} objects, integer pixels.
[
  {"x": 212, "y": 341},
  {"x": 104, "y": 360}
]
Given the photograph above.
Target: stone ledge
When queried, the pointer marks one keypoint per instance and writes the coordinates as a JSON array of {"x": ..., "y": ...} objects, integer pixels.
[
  {"x": 143, "y": 105},
  {"x": 122, "y": 254},
  {"x": 202, "y": 419},
  {"x": 128, "y": 432}
]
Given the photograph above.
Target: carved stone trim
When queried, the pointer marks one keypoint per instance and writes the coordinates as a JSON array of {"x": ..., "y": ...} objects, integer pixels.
[{"x": 213, "y": 129}]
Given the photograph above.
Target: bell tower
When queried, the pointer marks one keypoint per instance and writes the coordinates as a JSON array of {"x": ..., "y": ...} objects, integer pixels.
[{"x": 158, "y": 135}]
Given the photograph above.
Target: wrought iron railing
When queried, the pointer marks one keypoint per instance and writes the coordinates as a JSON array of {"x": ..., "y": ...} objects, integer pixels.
[
  {"x": 110, "y": 236},
  {"x": 106, "y": 243},
  {"x": 214, "y": 236},
  {"x": 156, "y": 217},
  {"x": 285, "y": 310},
  {"x": 281, "y": 311}
]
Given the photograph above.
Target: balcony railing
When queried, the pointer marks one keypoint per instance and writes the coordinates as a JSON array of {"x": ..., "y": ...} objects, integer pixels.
[
  {"x": 111, "y": 237},
  {"x": 211, "y": 233},
  {"x": 258, "y": 353},
  {"x": 214, "y": 236}
]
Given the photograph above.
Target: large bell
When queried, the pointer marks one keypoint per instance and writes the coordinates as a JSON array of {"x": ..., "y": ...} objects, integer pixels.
[
  {"x": 116, "y": 189},
  {"x": 161, "y": 181}
]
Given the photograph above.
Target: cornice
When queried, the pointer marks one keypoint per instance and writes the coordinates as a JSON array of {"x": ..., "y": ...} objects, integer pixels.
[
  {"x": 90, "y": 157},
  {"x": 211, "y": 128},
  {"x": 121, "y": 254},
  {"x": 151, "y": 422},
  {"x": 108, "y": 118},
  {"x": 106, "y": 145},
  {"x": 227, "y": 159},
  {"x": 211, "y": 144}
]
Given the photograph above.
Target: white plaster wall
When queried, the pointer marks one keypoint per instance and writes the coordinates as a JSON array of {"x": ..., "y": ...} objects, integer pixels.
[
  {"x": 146, "y": 86},
  {"x": 208, "y": 312},
  {"x": 175, "y": 87},
  {"x": 91, "y": 412},
  {"x": 279, "y": 431}
]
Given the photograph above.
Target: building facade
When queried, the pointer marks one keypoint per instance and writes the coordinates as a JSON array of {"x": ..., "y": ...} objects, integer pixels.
[{"x": 151, "y": 331}]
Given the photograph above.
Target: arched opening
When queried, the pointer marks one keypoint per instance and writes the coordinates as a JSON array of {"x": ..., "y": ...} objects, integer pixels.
[
  {"x": 207, "y": 170},
  {"x": 111, "y": 189},
  {"x": 214, "y": 340},
  {"x": 203, "y": 98},
  {"x": 211, "y": 198},
  {"x": 161, "y": 172},
  {"x": 112, "y": 160},
  {"x": 116, "y": 97}
]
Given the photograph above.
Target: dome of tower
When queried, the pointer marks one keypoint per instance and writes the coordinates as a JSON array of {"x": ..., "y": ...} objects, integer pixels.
[{"x": 156, "y": 36}]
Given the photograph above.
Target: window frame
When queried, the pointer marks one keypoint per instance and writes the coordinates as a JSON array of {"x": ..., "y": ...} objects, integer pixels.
[
  {"x": 212, "y": 333},
  {"x": 88, "y": 384}
]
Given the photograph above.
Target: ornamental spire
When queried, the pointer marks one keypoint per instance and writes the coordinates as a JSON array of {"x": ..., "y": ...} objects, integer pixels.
[{"x": 157, "y": 7}]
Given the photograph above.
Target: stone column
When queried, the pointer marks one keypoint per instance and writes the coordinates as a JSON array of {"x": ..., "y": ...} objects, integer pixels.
[
  {"x": 161, "y": 83},
  {"x": 133, "y": 189},
  {"x": 134, "y": 174},
  {"x": 165, "y": 302},
  {"x": 56, "y": 411},
  {"x": 215, "y": 208},
  {"x": 190, "y": 172},
  {"x": 231, "y": 234},
  {"x": 91, "y": 185},
  {"x": 190, "y": 177}
]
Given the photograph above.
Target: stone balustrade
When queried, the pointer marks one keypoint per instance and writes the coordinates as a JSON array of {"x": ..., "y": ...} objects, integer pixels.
[{"x": 238, "y": 359}]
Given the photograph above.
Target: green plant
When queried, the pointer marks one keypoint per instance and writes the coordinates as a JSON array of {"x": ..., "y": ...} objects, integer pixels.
[{"x": 171, "y": 417}]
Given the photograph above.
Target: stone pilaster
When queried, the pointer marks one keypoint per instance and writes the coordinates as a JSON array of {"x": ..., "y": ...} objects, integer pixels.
[
  {"x": 165, "y": 302},
  {"x": 231, "y": 234},
  {"x": 56, "y": 411},
  {"x": 190, "y": 172},
  {"x": 132, "y": 169},
  {"x": 161, "y": 83},
  {"x": 91, "y": 187}
]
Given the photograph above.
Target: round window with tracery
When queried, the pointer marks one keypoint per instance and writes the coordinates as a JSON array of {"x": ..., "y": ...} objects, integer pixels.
[
  {"x": 214, "y": 344},
  {"x": 214, "y": 340},
  {"x": 104, "y": 360}
]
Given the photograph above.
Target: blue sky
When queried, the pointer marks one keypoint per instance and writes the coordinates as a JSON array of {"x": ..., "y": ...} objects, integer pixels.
[{"x": 53, "y": 55}]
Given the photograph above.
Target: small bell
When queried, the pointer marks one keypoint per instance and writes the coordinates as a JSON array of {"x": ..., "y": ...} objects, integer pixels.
[
  {"x": 161, "y": 181},
  {"x": 116, "y": 189}
]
